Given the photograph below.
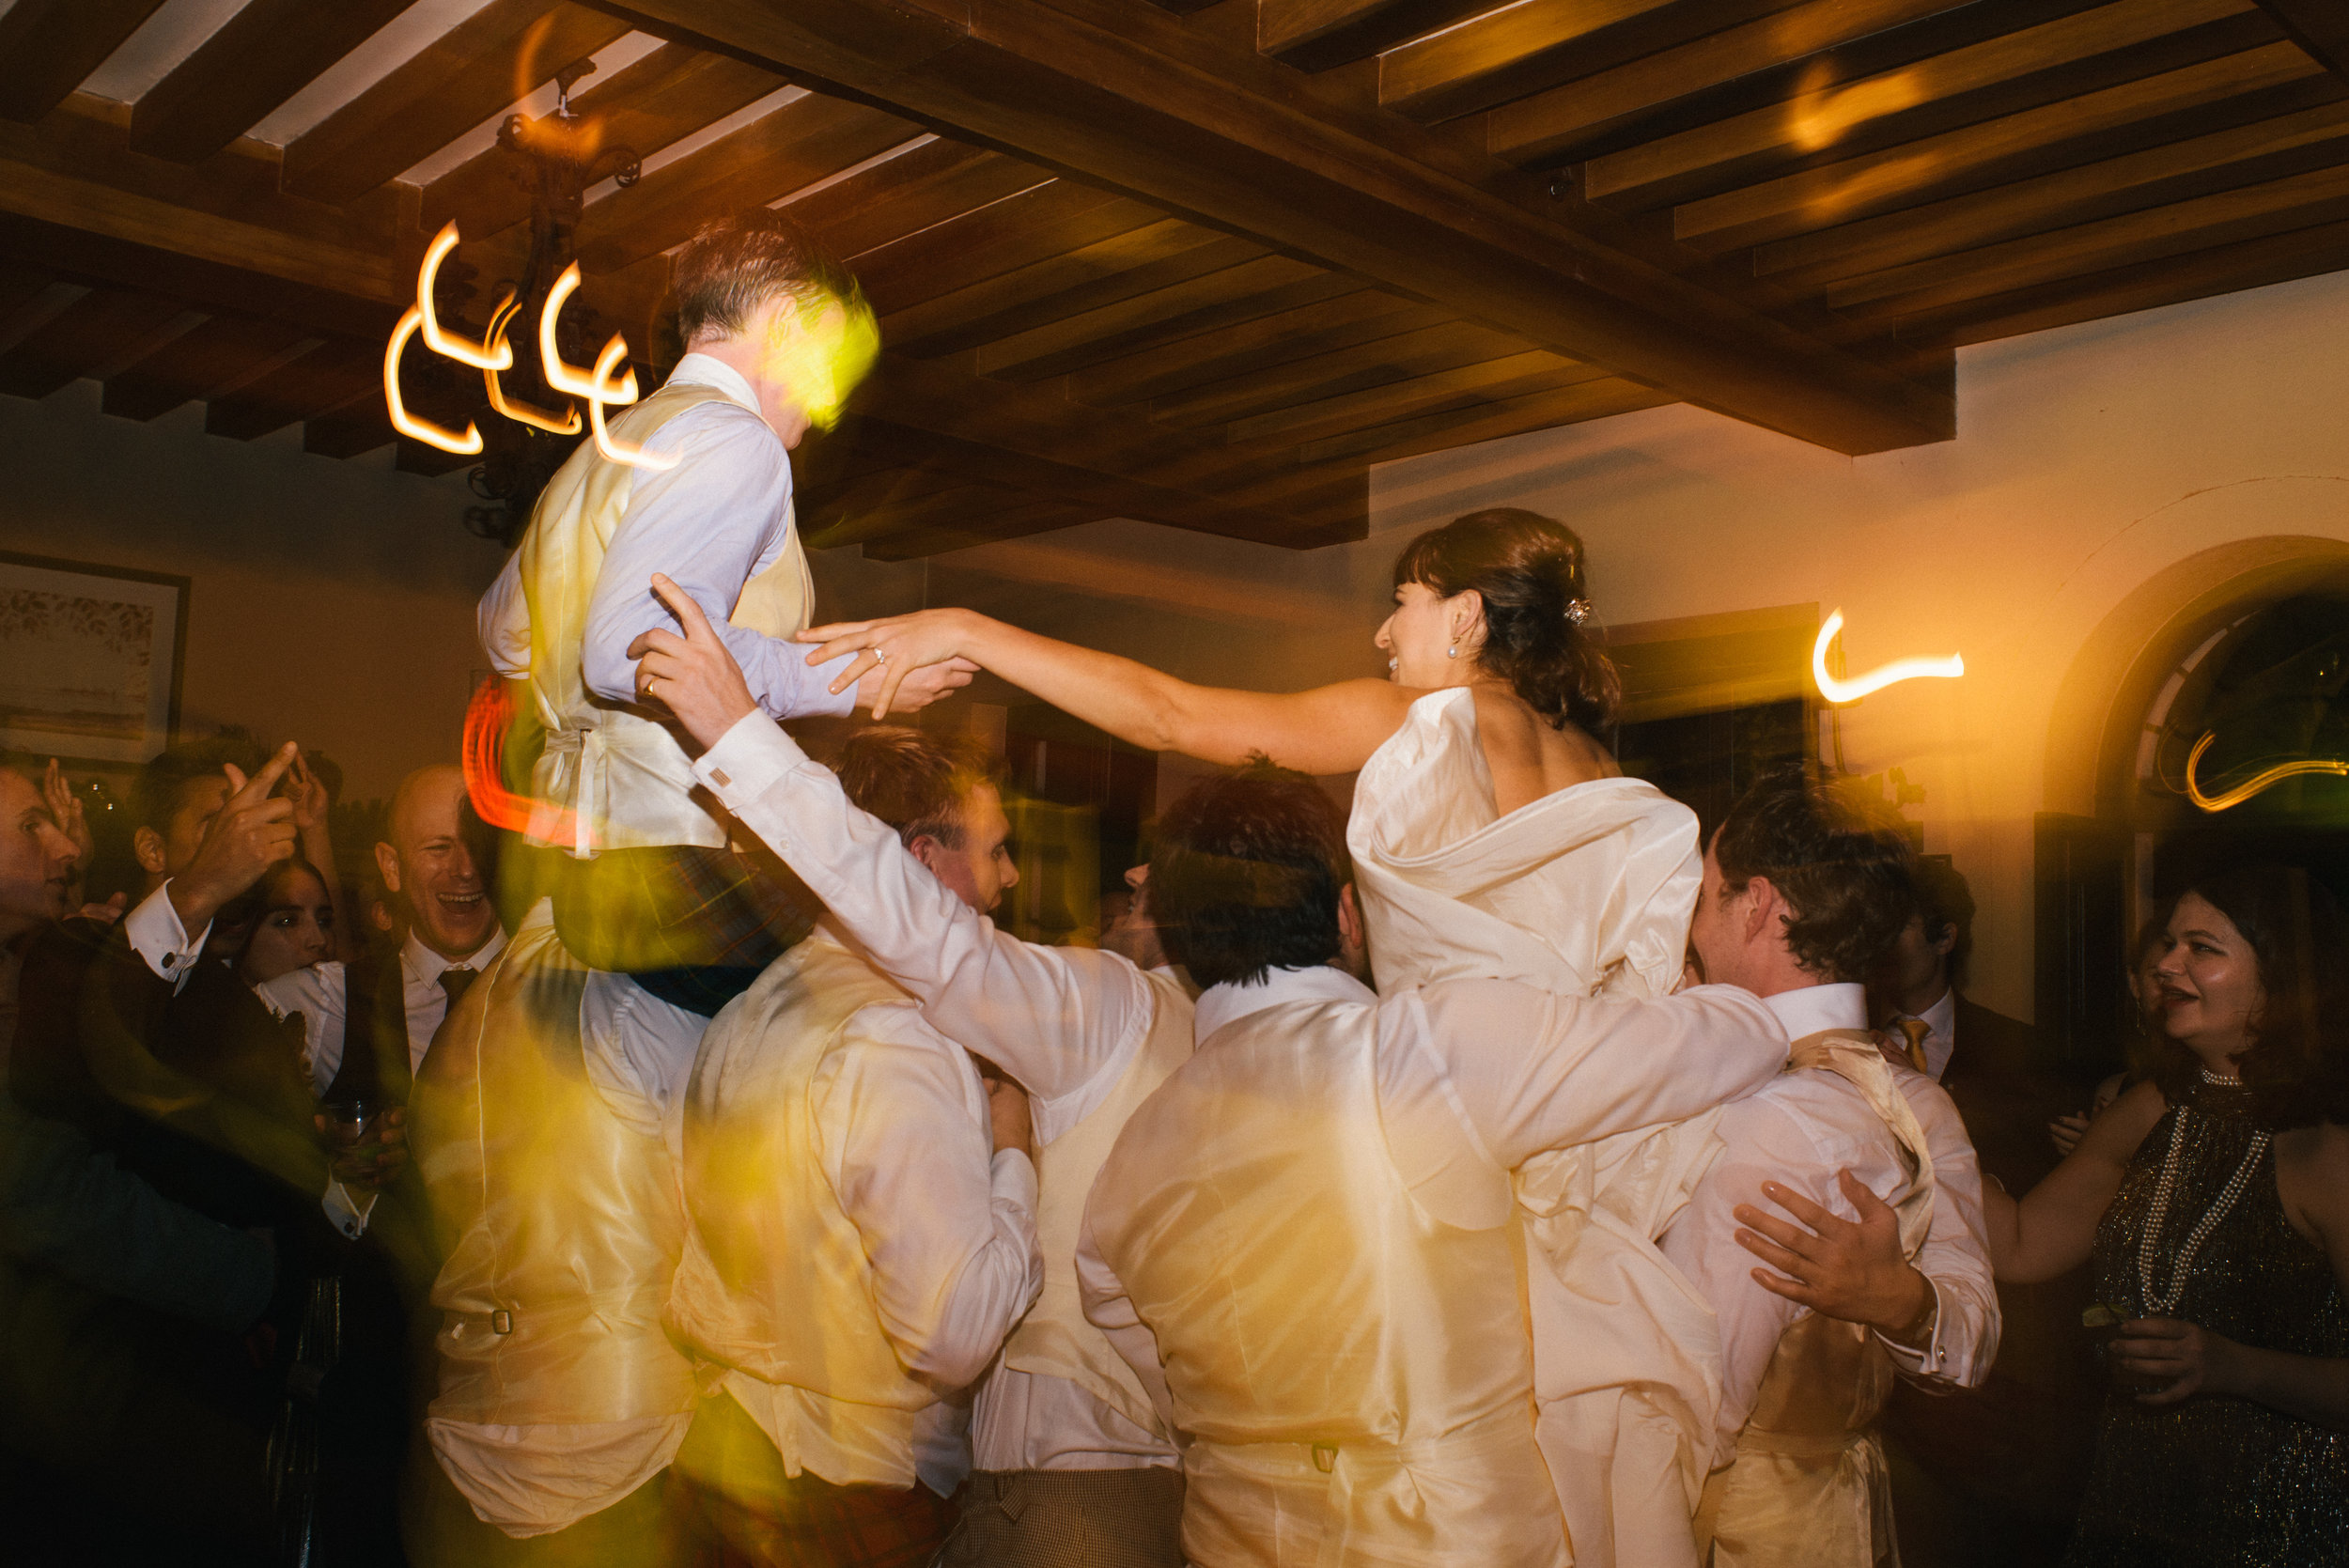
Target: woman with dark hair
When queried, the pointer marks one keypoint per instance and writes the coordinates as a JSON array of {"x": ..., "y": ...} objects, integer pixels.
[
  {"x": 293, "y": 924},
  {"x": 1493, "y": 837},
  {"x": 2213, "y": 1198}
]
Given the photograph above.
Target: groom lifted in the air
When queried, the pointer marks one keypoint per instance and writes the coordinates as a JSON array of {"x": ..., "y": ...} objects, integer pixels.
[{"x": 539, "y": 1117}]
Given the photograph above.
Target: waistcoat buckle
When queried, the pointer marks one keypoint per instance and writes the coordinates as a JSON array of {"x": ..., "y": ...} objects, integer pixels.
[
  {"x": 501, "y": 1322},
  {"x": 1324, "y": 1457}
]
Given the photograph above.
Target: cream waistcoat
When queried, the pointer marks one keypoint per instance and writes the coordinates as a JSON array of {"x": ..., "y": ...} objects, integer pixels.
[
  {"x": 1055, "y": 1340},
  {"x": 1809, "y": 1487},
  {"x": 609, "y": 777},
  {"x": 1586, "y": 892},
  {"x": 561, "y": 1227},
  {"x": 773, "y": 1286},
  {"x": 1353, "y": 1374}
]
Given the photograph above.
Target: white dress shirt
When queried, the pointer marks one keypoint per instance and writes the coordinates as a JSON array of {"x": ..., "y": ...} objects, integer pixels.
[
  {"x": 1799, "y": 1130},
  {"x": 1940, "y": 1032},
  {"x": 1472, "y": 1074},
  {"x": 711, "y": 522},
  {"x": 1066, "y": 1022},
  {"x": 321, "y": 995}
]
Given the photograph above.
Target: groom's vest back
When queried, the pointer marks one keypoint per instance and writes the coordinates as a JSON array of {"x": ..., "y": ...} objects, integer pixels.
[
  {"x": 611, "y": 778},
  {"x": 1328, "y": 1344}
]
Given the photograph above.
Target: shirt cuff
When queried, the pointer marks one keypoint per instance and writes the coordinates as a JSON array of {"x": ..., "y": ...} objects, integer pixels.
[
  {"x": 347, "y": 1214},
  {"x": 157, "y": 935},
  {"x": 819, "y": 697},
  {"x": 1011, "y": 1177},
  {"x": 747, "y": 760},
  {"x": 1928, "y": 1360}
]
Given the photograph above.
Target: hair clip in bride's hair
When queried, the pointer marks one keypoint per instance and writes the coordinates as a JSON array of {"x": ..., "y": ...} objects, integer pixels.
[{"x": 1578, "y": 610}]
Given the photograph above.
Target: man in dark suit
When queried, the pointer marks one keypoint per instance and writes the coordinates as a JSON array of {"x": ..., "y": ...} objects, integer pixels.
[{"x": 1989, "y": 1475}]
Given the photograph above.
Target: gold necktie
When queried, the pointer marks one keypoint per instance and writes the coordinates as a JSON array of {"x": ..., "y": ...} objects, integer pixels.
[{"x": 1917, "y": 1029}]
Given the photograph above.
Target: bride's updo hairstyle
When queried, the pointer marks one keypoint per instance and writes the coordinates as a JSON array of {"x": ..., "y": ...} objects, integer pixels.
[{"x": 1529, "y": 570}]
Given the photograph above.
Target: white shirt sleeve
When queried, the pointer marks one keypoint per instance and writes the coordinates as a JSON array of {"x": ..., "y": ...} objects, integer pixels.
[
  {"x": 949, "y": 1226},
  {"x": 502, "y": 621},
  {"x": 1955, "y": 1258},
  {"x": 157, "y": 935},
  {"x": 709, "y": 522},
  {"x": 1107, "y": 1308},
  {"x": 1530, "y": 1071},
  {"x": 1063, "y": 1020}
]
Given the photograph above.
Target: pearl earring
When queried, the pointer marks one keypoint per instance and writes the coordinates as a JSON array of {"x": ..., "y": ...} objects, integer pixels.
[{"x": 1453, "y": 652}]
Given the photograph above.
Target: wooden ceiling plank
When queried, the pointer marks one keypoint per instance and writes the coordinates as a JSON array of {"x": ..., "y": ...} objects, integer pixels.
[
  {"x": 822, "y": 505},
  {"x": 2319, "y": 26},
  {"x": 353, "y": 429},
  {"x": 213, "y": 360},
  {"x": 1928, "y": 97},
  {"x": 1213, "y": 309},
  {"x": 1118, "y": 93},
  {"x": 1316, "y": 34},
  {"x": 1453, "y": 428},
  {"x": 48, "y": 47},
  {"x": 1030, "y": 229},
  {"x": 1488, "y": 382},
  {"x": 1089, "y": 275},
  {"x": 103, "y": 259},
  {"x": 492, "y": 58},
  {"x": 1359, "y": 317},
  {"x": 919, "y": 189},
  {"x": 100, "y": 329},
  {"x": 1081, "y": 338},
  {"x": 662, "y": 99},
  {"x": 1535, "y": 44},
  {"x": 1398, "y": 357},
  {"x": 1809, "y": 262},
  {"x": 2300, "y": 201},
  {"x": 949, "y": 499},
  {"x": 1017, "y": 522},
  {"x": 1991, "y": 153},
  {"x": 327, "y": 378},
  {"x": 262, "y": 55},
  {"x": 796, "y": 144},
  {"x": 1553, "y": 123}
]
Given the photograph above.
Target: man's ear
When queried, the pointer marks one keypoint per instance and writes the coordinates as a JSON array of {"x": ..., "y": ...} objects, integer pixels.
[
  {"x": 1766, "y": 911},
  {"x": 1350, "y": 934},
  {"x": 925, "y": 849},
  {"x": 387, "y": 866},
  {"x": 1946, "y": 943},
  {"x": 147, "y": 844}
]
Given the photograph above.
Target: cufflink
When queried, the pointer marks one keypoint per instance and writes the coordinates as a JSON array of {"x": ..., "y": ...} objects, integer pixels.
[{"x": 720, "y": 774}]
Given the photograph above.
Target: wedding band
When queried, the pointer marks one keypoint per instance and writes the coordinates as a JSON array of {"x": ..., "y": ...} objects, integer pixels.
[{"x": 881, "y": 656}]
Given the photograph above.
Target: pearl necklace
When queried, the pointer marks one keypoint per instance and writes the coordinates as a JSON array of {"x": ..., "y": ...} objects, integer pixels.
[{"x": 2158, "y": 1304}]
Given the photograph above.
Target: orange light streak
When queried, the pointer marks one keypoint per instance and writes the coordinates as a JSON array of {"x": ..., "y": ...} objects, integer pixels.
[
  {"x": 522, "y": 412},
  {"x": 488, "y": 718},
  {"x": 1839, "y": 691},
  {"x": 570, "y": 379},
  {"x": 407, "y": 424},
  {"x": 611, "y": 445},
  {"x": 2265, "y": 780},
  {"x": 464, "y": 350}
]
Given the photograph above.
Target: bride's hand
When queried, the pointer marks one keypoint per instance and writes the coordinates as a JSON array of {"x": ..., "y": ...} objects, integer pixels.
[{"x": 896, "y": 645}]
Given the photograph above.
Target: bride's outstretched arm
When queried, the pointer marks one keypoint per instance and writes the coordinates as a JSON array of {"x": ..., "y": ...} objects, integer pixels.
[{"x": 1330, "y": 729}]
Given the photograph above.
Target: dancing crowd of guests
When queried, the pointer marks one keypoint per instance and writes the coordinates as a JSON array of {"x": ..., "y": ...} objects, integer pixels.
[{"x": 1503, "y": 1169}]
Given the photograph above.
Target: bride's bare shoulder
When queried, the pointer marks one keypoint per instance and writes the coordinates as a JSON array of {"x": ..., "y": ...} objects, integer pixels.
[{"x": 1522, "y": 747}]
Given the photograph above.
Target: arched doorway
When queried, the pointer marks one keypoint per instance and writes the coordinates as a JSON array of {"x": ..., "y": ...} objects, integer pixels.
[{"x": 2243, "y": 651}]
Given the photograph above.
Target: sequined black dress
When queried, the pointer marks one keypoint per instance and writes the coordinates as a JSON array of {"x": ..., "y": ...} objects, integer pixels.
[{"x": 2216, "y": 1479}]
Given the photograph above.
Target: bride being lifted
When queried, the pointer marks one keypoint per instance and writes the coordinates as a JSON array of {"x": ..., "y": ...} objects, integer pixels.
[{"x": 1493, "y": 837}]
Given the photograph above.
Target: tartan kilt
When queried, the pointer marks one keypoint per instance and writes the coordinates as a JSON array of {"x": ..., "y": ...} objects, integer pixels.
[{"x": 693, "y": 925}]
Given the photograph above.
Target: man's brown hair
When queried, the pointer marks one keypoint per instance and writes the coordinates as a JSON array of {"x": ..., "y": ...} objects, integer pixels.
[
  {"x": 915, "y": 781},
  {"x": 734, "y": 265},
  {"x": 1842, "y": 862}
]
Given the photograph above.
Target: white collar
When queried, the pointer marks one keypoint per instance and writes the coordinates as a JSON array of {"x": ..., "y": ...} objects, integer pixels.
[
  {"x": 709, "y": 370},
  {"x": 1231, "y": 1001},
  {"x": 1809, "y": 1009},
  {"x": 425, "y": 964},
  {"x": 1941, "y": 1018}
]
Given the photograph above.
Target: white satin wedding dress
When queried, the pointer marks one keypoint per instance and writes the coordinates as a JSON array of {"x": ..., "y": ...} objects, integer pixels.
[{"x": 1585, "y": 892}]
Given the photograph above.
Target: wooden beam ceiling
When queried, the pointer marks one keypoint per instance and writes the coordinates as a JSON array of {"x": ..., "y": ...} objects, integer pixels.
[
  {"x": 2319, "y": 26},
  {"x": 47, "y": 47}
]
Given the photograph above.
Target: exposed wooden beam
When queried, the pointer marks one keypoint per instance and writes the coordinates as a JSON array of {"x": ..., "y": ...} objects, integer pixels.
[
  {"x": 103, "y": 329},
  {"x": 1001, "y": 243},
  {"x": 1395, "y": 357},
  {"x": 2319, "y": 26},
  {"x": 1125, "y": 95},
  {"x": 262, "y": 55},
  {"x": 1013, "y": 522},
  {"x": 1315, "y": 34},
  {"x": 1142, "y": 265},
  {"x": 1464, "y": 426},
  {"x": 501, "y": 53},
  {"x": 667, "y": 96},
  {"x": 327, "y": 378},
  {"x": 1183, "y": 312},
  {"x": 1170, "y": 370},
  {"x": 47, "y": 47},
  {"x": 928, "y": 182},
  {"x": 211, "y": 360}
]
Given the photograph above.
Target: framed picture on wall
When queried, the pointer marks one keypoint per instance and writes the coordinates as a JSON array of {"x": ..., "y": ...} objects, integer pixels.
[{"x": 90, "y": 659}]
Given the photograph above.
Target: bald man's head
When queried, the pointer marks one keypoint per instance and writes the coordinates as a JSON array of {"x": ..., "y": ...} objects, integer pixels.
[{"x": 426, "y": 861}]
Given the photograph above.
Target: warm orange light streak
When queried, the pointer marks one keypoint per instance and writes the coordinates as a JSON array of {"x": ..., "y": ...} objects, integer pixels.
[
  {"x": 488, "y": 356},
  {"x": 1851, "y": 690},
  {"x": 570, "y": 379},
  {"x": 406, "y": 423},
  {"x": 610, "y": 445},
  {"x": 2267, "y": 778},
  {"x": 488, "y": 718},
  {"x": 522, "y": 412}
]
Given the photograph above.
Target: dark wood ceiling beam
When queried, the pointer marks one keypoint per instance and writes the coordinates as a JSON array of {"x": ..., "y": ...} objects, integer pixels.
[
  {"x": 2179, "y": 170},
  {"x": 1012, "y": 522},
  {"x": 329, "y": 377},
  {"x": 944, "y": 501},
  {"x": 1021, "y": 245},
  {"x": 662, "y": 99},
  {"x": 1524, "y": 48},
  {"x": 2048, "y": 64},
  {"x": 793, "y": 145},
  {"x": 929, "y": 184},
  {"x": 491, "y": 59},
  {"x": 1394, "y": 357},
  {"x": 2319, "y": 26},
  {"x": 213, "y": 360},
  {"x": 48, "y": 47},
  {"x": 1442, "y": 431},
  {"x": 1487, "y": 381},
  {"x": 1187, "y": 314},
  {"x": 262, "y": 55},
  {"x": 1564, "y": 119},
  {"x": 1114, "y": 298},
  {"x": 1121, "y": 93},
  {"x": 1315, "y": 34},
  {"x": 103, "y": 330},
  {"x": 1250, "y": 346},
  {"x": 2238, "y": 89},
  {"x": 105, "y": 258}
]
